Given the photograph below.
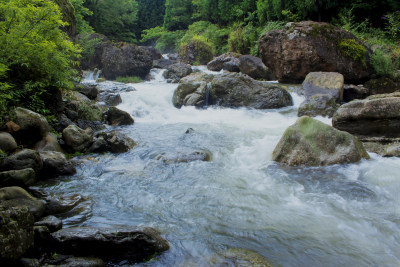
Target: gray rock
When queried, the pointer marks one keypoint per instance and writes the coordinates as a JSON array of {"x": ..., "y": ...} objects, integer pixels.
[
  {"x": 23, "y": 159},
  {"x": 7, "y": 142},
  {"x": 119, "y": 143},
  {"x": 100, "y": 145},
  {"x": 18, "y": 197},
  {"x": 64, "y": 121},
  {"x": 80, "y": 261},
  {"x": 312, "y": 143},
  {"x": 254, "y": 67},
  {"x": 33, "y": 126},
  {"x": 90, "y": 91},
  {"x": 16, "y": 232},
  {"x": 163, "y": 63},
  {"x": 231, "y": 65},
  {"x": 329, "y": 83},
  {"x": 123, "y": 243},
  {"x": 116, "y": 117},
  {"x": 192, "y": 90},
  {"x": 76, "y": 139},
  {"x": 55, "y": 164},
  {"x": 48, "y": 143},
  {"x": 94, "y": 125},
  {"x": 217, "y": 63},
  {"x": 23, "y": 178},
  {"x": 184, "y": 157},
  {"x": 57, "y": 204},
  {"x": 177, "y": 71},
  {"x": 110, "y": 99},
  {"x": 318, "y": 105},
  {"x": 51, "y": 222},
  {"x": 376, "y": 116},
  {"x": 385, "y": 150}
]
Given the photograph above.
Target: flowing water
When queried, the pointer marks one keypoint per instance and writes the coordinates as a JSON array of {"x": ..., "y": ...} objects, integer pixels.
[{"x": 347, "y": 215}]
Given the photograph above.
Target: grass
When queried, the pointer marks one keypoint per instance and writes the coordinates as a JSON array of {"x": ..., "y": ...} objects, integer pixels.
[{"x": 129, "y": 79}]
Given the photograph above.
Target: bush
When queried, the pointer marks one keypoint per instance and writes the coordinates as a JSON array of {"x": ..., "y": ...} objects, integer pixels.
[
  {"x": 198, "y": 50},
  {"x": 383, "y": 64},
  {"x": 36, "y": 57},
  {"x": 165, "y": 41}
]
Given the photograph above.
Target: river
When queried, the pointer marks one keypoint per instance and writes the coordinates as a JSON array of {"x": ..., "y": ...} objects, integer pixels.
[{"x": 347, "y": 215}]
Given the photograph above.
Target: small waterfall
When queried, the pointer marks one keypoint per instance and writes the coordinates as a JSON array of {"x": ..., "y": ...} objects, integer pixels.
[
  {"x": 90, "y": 76},
  {"x": 206, "y": 103}
]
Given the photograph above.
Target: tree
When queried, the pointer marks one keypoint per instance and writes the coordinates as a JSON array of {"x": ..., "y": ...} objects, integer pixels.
[
  {"x": 178, "y": 14},
  {"x": 150, "y": 15},
  {"x": 36, "y": 56}
]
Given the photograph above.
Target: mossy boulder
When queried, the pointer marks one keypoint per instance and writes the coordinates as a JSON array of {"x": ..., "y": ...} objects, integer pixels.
[
  {"x": 17, "y": 197},
  {"x": 312, "y": 143},
  {"x": 196, "y": 52},
  {"x": 23, "y": 178},
  {"x": 307, "y": 46},
  {"x": 382, "y": 85}
]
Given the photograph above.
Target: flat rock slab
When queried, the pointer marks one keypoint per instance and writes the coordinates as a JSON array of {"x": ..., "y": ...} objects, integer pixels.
[{"x": 123, "y": 243}]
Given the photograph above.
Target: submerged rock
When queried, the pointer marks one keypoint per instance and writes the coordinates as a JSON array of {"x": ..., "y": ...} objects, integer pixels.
[
  {"x": 16, "y": 232},
  {"x": 179, "y": 157},
  {"x": 244, "y": 257},
  {"x": 69, "y": 261},
  {"x": 376, "y": 116},
  {"x": 122, "y": 243},
  {"x": 312, "y": 143},
  {"x": 307, "y": 46}
]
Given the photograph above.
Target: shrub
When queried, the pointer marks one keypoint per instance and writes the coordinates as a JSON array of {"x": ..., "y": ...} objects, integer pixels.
[
  {"x": 165, "y": 41},
  {"x": 198, "y": 50},
  {"x": 383, "y": 64}
]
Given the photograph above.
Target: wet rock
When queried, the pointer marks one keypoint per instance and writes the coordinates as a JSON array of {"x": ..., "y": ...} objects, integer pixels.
[
  {"x": 77, "y": 261},
  {"x": 217, "y": 63},
  {"x": 155, "y": 54},
  {"x": 48, "y": 143},
  {"x": 7, "y": 142},
  {"x": 239, "y": 90},
  {"x": 123, "y": 243},
  {"x": 375, "y": 116},
  {"x": 64, "y": 122},
  {"x": 330, "y": 83},
  {"x": 385, "y": 150},
  {"x": 51, "y": 222},
  {"x": 318, "y": 105},
  {"x": 16, "y": 232},
  {"x": 232, "y": 65},
  {"x": 177, "y": 71},
  {"x": 352, "y": 92},
  {"x": 254, "y": 67},
  {"x": 23, "y": 178},
  {"x": 71, "y": 114},
  {"x": 312, "y": 143},
  {"x": 55, "y": 164},
  {"x": 28, "y": 262},
  {"x": 100, "y": 145},
  {"x": 94, "y": 125},
  {"x": 163, "y": 63},
  {"x": 192, "y": 90},
  {"x": 184, "y": 157},
  {"x": 57, "y": 204},
  {"x": 116, "y": 117},
  {"x": 110, "y": 99},
  {"x": 17, "y": 197},
  {"x": 308, "y": 46},
  {"x": 119, "y": 143},
  {"x": 42, "y": 236},
  {"x": 23, "y": 159},
  {"x": 382, "y": 85},
  {"x": 114, "y": 87},
  {"x": 89, "y": 90},
  {"x": 33, "y": 126},
  {"x": 76, "y": 139}
]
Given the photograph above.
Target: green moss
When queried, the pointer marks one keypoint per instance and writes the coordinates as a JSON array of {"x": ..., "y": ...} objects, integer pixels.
[
  {"x": 351, "y": 48},
  {"x": 90, "y": 112},
  {"x": 321, "y": 29}
]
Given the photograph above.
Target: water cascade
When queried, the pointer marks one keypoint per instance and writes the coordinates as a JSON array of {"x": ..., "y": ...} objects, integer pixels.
[{"x": 346, "y": 215}]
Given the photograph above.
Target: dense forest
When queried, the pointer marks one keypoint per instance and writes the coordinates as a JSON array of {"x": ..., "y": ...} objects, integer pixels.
[{"x": 37, "y": 56}]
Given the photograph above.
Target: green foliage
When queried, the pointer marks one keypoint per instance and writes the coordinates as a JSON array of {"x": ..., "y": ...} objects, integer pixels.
[
  {"x": 90, "y": 112},
  {"x": 36, "y": 56},
  {"x": 383, "y": 64},
  {"x": 198, "y": 47},
  {"x": 351, "y": 48},
  {"x": 129, "y": 79},
  {"x": 88, "y": 44},
  {"x": 289, "y": 16},
  {"x": 393, "y": 25},
  {"x": 165, "y": 41},
  {"x": 116, "y": 19},
  {"x": 178, "y": 14},
  {"x": 80, "y": 12},
  {"x": 150, "y": 15},
  {"x": 243, "y": 40}
]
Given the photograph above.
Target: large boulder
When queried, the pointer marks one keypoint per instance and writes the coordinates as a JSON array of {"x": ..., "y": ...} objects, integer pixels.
[
  {"x": 192, "y": 90},
  {"x": 330, "y": 83},
  {"x": 122, "y": 243},
  {"x": 254, "y": 67},
  {"x": 16, "y": 232},
  {"x": 217, "y": 63},
  {"x": 7, "y": 142},
  {"x": 33, "y": 126},
  {"x": 125, "y": 59},
  {"x": 17, "y": 197},
  {"x": 307, "y": 46},
  {"x": 239, "y": 90},
  {"x": 23, "y": 159},
  {"x": 115, "y": 117},
  {"x": 23, "y": 178},
  {"x": 377, "y": 116},
  {"x": 76, "y": 139},
  {"x": 177, "y": 71},
  {"x": 318, "y": 105},
  {"x": 312, "y": 143},
  {"x": 55, "y": 164},
  {"x": 48, "y": 143}
]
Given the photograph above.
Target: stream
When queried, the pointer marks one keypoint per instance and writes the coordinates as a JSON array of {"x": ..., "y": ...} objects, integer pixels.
[{"x": 347, "y": 215}]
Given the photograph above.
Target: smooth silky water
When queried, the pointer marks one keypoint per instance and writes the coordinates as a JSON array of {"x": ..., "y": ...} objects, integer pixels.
[{"x": 347, "y": 215}]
